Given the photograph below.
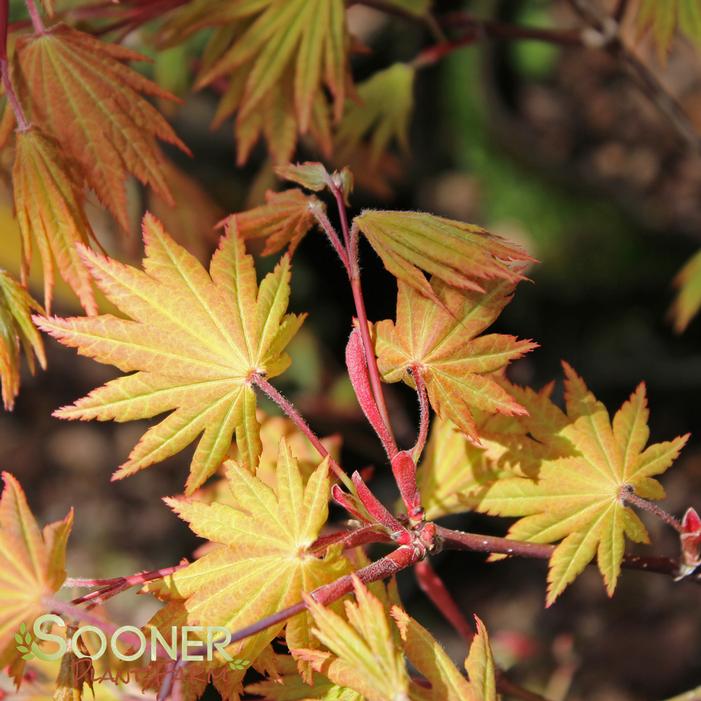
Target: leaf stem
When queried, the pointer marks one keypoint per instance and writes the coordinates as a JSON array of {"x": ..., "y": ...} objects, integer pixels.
[
  {"x": 13, "y": 101},
  {"x": 323, "y": 221},
  {"x": 424, "y": 413},
  {"x": 35, "y": 16},
  {"x": 289, "y": 409},
  {"x": 628, "y": 496}
]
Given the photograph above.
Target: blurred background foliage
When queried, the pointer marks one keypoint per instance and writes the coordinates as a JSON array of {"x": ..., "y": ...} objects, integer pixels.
[{"x": 550, "y": 146}]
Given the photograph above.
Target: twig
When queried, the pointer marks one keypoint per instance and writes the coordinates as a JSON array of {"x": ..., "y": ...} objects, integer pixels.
[{"x": 323, "y": 221}]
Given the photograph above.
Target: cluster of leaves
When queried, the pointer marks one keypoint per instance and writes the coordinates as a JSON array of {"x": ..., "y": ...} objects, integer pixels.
[{"x": 196, "y": 343}]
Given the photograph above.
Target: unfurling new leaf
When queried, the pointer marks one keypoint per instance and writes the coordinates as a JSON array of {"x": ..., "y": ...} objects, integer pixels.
[{"x": 192, "y": 342}]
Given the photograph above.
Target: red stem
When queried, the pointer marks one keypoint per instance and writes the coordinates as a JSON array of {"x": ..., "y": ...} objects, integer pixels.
[
  {"x": 301, "y": 424},
  {"x": 22, "y": 122},
  {"x": 325, "y": 224},
  {"x": 627, "y": 495},
  {"x": 434, "y": 588},
  {"x": 35, "y": 16},
  {"x": 424, "y": 413}
]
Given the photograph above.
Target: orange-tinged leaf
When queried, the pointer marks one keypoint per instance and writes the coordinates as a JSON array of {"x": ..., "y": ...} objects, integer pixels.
[
  {"x": 261, "y": 561},
  {"x": 78, "y": 90},
  {"x": 578, "y": 500},
  {"x": 442, "y": 341},
  {"x": 192, "y": 343},
  {"x": 279, "y": 56},
  {"x": 283, "y": 220},
  {"x": 48, "y": 204},
  {"x": 460, "y": 255},
  {"x": 16, "y": 332},
  {"x": 31, "y": 564}
]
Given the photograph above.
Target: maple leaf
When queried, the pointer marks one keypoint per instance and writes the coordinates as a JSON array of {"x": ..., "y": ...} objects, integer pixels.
[
  {"x": 368, "y": 656},
  {"x": 665, "y": 18},
  {"x": 283, "y": 221},
  {"x": 460, "y": 255},
  {"x": 193, "y": 342},
  {"x": 278, "y": 55},
  {"x": 452, "y": 468},
  {"x": 16, "y": 331},
  {"x": 442, "y": 343},
  {"x": 47, "y": 194},
  {"x": 579, "y": 500},
  {"x": 31, "y": 564},
  {"x": 381, "y": 113},
  {"x": 77, "y": 89},
  {"x": 261, "y": 562},
  {"x": 688, "y": 300},
  {"x": 288, "y": 685},
  {"x": 365, "y": 655}
]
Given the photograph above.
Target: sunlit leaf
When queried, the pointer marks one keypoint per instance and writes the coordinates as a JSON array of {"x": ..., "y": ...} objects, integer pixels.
[
  {"x": 192, "y": 342},
  {"x": 79, "y": 90},
  {"x": 688, "y": 300},
  {"x": 31, "y": 564},
  {"x": 443, "y": 342},
  {"x": 577, "y": 501}
]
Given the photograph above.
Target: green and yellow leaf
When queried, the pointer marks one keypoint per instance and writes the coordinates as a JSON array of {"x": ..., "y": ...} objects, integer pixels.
[
  {"x": 78, "y": 90},
  {"x": 577, "y": 501},
  {"x": 688, "y": 301},
  {"x": 279, "y": 56},
  {"x": 380, "y": 115},
  {"x": 48, "y": 205},
  {"x": 665, "y": 18},
  {"x": 460, "y": 255},
  {"x": 192, "y": 342},
  {"x": 442, "y": 342},
  {"x": 31, "y": 564},
  {"x": 17, "y": 332}
]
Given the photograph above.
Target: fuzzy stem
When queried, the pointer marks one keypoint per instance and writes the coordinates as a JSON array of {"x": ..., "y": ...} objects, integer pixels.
[
  {"x": 35, "y": 16},
  {"x": 323, "y": 221},
  {"x": 424, "y": 413},
  {"x": 13, "y": 101},
  {"x": 289, "y": 409},
  {"x": 627, "y": 495}
]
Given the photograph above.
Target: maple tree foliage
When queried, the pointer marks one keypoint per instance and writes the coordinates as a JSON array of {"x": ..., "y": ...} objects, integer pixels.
[
  {"x": 193, "y": 341},
  {"x": 293, "y": 583}
]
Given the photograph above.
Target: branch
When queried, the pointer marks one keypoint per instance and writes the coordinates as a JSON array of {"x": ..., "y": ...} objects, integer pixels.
[{"x": 448, "y": 539}]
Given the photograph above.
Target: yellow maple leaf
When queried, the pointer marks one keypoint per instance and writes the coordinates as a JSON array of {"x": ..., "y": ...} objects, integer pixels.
[
  {"x": 16, "y": 331},
  {"x": 579, "y": 500},
  {"x": 261, "y": 561},
  {"x": 77, "y": 89},
  {"x": 31, "y": 564},
  {"x": 47, "y": 194},
  {"x": 193, "y": 341},
  {"x": 368, "y": 654},
  {"x": 442, "y": 342}
]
